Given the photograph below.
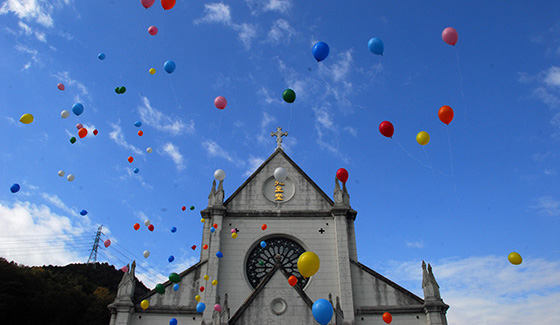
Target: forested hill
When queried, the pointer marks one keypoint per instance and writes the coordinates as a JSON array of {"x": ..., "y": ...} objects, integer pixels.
[{"x": 71, "y": 294}]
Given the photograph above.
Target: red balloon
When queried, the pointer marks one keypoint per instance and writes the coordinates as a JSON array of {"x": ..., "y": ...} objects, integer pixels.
[
  {"x": 387, "y": 318},
  {"x": 184, "y": 208},
  {"x": 220, "y": 102},
  {"x": 445, "y": 114},
  {"x": 151, "y": 227},
  {"x": 107, "y": 243},
  {"x": 215, "y": 226},
  {"x": 193, "y": 247},
  {"x": 147, "y": 3},
  {"x": 79, "y": 126},
  {"x": 342, "y": 175},
  {"x": 167, "y": 4},
  {"x": 263, "y": 227},
  {"x": 82, "y": 133},
  {"x": 60, "y": 86},
  {"x": 450, "y": 36},
  {"x": 136, "y": 226},
  {"x": 205, "y": 246},
  {"x": 386, "y": 128},
  {"x": 201, "y": 289},
  {"x": 124, "y": 269},
  {"x": 130, "y": 159},
  {"x": 292, "y": 280},
  {"x": 152, "y": 30},
  {"x": 140, "y": 133},
  {"x": 95, "y": 132}
]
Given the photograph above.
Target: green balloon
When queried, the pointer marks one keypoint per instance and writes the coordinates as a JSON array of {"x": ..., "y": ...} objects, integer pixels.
[
  {"x": 174, "y": 277},
  {"x": 122, "y": 90},
  {"x": 192, "y": 207},
  {"x": 289, "y": 95},
  {"x": 160, "y": 288},
  {"x": 72, "y": 140},
  {"x": 117, "y": 90}
]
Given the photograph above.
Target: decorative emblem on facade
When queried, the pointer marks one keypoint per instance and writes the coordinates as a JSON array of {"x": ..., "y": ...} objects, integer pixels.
[{"x": 278, "y": 191}]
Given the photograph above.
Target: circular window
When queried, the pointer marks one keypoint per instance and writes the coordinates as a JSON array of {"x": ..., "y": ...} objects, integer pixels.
[
  {"x": 261, "y": 260},
  {"x": 278, "y": 306}
]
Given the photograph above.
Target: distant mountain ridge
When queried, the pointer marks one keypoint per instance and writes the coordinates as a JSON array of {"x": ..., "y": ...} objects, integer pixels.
[{"x": 71, "y": 294}]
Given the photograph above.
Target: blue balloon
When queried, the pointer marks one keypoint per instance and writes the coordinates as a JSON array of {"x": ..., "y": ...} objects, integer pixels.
[
  {"x": 212, "y": 229},
  {"x": 200, "y": 307},
  {"x": 173, "y": 229},
  {"x": 320, "y": 51},
  {"x": 78, "y": 108},
  {"x": 173, "y": 321},
  {"x": 83, "y": 212},
  {"x": 322, "y": 311},
  {"x": 176, "y": 286},
  {"x": 219, "y": 254},
  {"x": 136, "y": 170},
  {"x": 15, "y": 188},
  {"x": 263, "y": 244},
  {"x": 376, "y": 46},
  {"x": 171, "y": 258},
  {"x": 101, "y": 56},
  {"x": 169, "y": 66},
  {"x": 137, "y": 124}
]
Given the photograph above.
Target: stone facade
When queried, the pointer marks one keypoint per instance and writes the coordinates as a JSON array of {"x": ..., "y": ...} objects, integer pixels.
[{"x": 300, "y": 212}]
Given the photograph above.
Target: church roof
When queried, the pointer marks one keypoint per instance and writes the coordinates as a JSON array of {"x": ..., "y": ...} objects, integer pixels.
[
  {"x": 277, "y": 267},
  {"x": 279, "y": 151}
]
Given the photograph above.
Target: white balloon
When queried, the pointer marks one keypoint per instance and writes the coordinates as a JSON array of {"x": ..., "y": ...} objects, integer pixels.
[
  {"x": 149, "y": 150},
  {"x": 147, "y": 222},
  {"x": 61, "y": 173},
  {"x": 280, "y": 174},
  {"x": 64, "y": 114},
  {"x": 146, "y": 254},
  {"x": 70, "y": 177},
  {"x": 219, "y": 174}
]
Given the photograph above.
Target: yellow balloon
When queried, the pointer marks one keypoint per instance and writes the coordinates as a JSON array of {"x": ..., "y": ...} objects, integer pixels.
[
  {"x": 206, "y": 277},
  {"x": 215, "y": 282},
  {"x": 202, "y": 220},
  {"x": 423, "y": 138},
  {"x": 308, "y": 264},
  {"x": 197, "y": 297},
  {"x": 26, "y": 118},
  {"x": 145, "y": 304},
  {"x": 514, "y": 258},
  {"x": 152, "y": 71},
  {"x": 234, "y": 235}
]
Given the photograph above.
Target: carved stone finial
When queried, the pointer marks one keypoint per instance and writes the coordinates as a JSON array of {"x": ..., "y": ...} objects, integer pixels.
[
  {"x": 279, "y": 134},
  {"x": 338, "y": 195}
]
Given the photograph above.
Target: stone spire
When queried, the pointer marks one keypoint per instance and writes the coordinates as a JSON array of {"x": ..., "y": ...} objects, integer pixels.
[
  {"x": 429, "y": 284},
  {"x": 341, "y": 196},
  {"x": 216, "y": 197},
  {"x": 434, "y": 307}
]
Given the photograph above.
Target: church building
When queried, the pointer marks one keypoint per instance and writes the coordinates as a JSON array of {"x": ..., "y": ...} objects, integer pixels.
[{"x": 252, "y": 281}]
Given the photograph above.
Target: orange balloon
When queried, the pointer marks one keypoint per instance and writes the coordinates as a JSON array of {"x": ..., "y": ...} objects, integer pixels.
[
  {"x": 136, "y": 226},
  {"x": 387, "y": 318},
  {"x": 292, "y": 280},
  {"x": 130, "y": 159},
  {"x": 82, "y": 133},
  {"x": 215, "y": 226},
  {"x": 168, "y": 4},
  {"x": 446, "y": 114},
  {"x": 205, "y": 246},
  {"x": 140, "y": 133},
  {"x": 263, "y": 227}
]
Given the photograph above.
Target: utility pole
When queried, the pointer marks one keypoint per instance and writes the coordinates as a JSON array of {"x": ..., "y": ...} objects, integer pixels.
[{"x": 93, "y": 255}]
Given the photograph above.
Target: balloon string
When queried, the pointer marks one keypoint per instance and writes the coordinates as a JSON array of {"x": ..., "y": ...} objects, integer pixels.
[
  {"x": 451, "y": 162},
  {"x": 219, "y": 126},
  {"x": 174, "y": 94},
  {"x": 431, "y": 166},
  {"x": 461, "y": 80},
  {"x": 419, "y": 161},
  {"x": 334, "y": 92},
  {"x": 290, "y": 122}
]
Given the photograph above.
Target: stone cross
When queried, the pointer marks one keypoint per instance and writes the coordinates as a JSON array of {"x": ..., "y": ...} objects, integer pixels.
[{"x": 279, "y": 134}]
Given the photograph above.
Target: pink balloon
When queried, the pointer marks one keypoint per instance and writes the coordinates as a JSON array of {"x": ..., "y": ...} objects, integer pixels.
[
  {"x": 450, "y": 36},
  {"x": 79, "y": 126},
  {"x": 217, "y": 307},
  {"x": 147, "y": 3},
  {"x": 152, "y": 30},
  {"x": 107, "y": 243},
  {"x": 60, "y": 86},
  {"x": 233, "y": 230},
  {"x": 220, "y": 102},
  {"x": 124, "y": 269}
]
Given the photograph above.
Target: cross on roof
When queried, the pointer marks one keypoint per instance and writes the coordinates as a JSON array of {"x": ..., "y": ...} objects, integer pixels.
[{"x": 279, "y": 134}]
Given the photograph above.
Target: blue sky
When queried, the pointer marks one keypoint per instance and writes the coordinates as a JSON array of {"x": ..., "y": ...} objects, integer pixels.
[{"x": 485, "y": 185}]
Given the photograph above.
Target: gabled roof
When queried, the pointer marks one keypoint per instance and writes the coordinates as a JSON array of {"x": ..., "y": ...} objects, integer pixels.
[
  {"x": 279, "y": 151},
  {"x": 277, "y": 267}
]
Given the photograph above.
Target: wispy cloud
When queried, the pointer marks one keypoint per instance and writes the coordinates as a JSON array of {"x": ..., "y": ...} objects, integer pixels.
[
  {"x": 33, "y": 52},
  {"x": 264, "y": 134},
  {"x": 64, "y": 76},
  {"x": 252, "y": 165},
  {"x": 281, "y": 31},
  {"x": 415, "y": 244},
  {"x": 500, "y": 293},
  {"x": 27, "y": 30},
  {"x": 261, "y": 6},
  {"x": 215, "y": 150},
  {"x": 548, "y": 206},
  {"x": 547, "y": 91},
  {"x": 57, "y": 202},
  {"x": 117, "y": 136},
  {"x": 221, "y": 13},
  {"x": 173, "y": 152},
  {"x": 162, "y": 122},
  {"x": 32, "y": 10}
]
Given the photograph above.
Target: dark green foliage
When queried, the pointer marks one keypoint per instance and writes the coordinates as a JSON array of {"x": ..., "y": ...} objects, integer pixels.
[{"x": 71, "y": 294}]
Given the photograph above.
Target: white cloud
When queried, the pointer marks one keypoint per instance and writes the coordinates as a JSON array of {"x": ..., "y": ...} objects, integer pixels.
[
  {"x": 214, "y": 150},
  {"x": 281, "y": 31},
  {"x": 548, "y": 206},
  {"x": 252, "y": 165},
  {"x": 171, "y": 150},
  {"x": 552, "y": 77},
  {"x": 415, "y": 244},
  {"x": 490, "y": 290},
  {"x": 31, "y": 10},
  {"x": 117, "y": 136},
  {"x": 221, "y": 13},
  {"x": 64, "y": 77},
  {"x": 34, "y": 235},
  {"x": 260, "y": 6},
  {"x": 56, "y": 201},
  {"x": 264, "y": 135},
  {"x": 27, "y": 30},
  {"x": 162, "y": 122},
  {"x": 352, "y": 131}
]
